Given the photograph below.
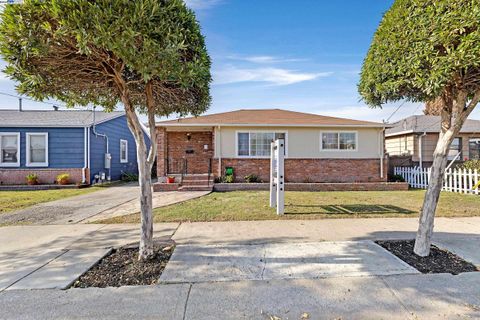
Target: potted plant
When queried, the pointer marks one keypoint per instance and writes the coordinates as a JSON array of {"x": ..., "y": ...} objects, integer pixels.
[
  {"x": 170, "y": 179},
  {"x": 32, "y": 179},
  {"x": 63, "y": 178}
]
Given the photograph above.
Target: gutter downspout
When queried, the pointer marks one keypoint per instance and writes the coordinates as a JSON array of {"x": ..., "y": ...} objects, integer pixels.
[
  {"x": 97, "y": 134},
  {"x": 420, "y": 148},
  {"x": 85, "y": 160},
  {"x": 382, "y": 151}
]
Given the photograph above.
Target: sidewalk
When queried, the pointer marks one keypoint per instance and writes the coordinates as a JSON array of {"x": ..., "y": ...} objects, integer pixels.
[{"x": 440, "y": 296}]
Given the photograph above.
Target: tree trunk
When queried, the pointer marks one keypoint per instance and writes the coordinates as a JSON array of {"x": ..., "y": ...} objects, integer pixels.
[
  {"x": 457, "y": 107},
  {"x": 145, "y": 181},
  {"x": 435, "y": 184},
  {"x": 146, "y": 219}
]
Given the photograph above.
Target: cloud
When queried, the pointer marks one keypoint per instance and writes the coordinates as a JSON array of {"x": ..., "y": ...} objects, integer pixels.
[
  {"x": 275, "y": 76},
  {"x": 263, "y": 59},
  {"x": 201, "y": 4}
]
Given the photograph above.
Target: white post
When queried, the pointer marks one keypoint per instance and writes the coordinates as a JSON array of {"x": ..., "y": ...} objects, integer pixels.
[
  {"x": 280, "y": 179},
  {"x": 273, "y": 187}
]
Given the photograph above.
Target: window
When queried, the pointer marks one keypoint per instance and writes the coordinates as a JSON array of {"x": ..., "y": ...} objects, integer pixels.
[
  {"x": 257, "y": 144},
  {"x": 9, "y": 149},
  {"x": 474, "y": 146},
  {"x": 123, "y": 151},
  {"x": 37, "y": 149},
  {"x": 455, "y": 149},
  {"x": 338, "y": 141}
]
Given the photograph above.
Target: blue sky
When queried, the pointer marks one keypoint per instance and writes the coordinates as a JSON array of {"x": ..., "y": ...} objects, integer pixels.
[{"x": 301, "y": 55}]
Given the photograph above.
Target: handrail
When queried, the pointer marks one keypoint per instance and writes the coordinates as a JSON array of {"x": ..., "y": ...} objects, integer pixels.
[{"x": 209, "y": 170}]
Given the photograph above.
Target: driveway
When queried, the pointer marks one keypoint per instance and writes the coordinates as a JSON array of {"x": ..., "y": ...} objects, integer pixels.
[{"x": 111, "y": 202}]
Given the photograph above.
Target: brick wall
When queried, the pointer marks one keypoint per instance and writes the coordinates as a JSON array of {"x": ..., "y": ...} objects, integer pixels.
[
  {"x": 310, "y": 170},
  {"x": 362, "y": 186},
  {"x": 45, "y": 176},
  {"x": 174, "y": 146}
]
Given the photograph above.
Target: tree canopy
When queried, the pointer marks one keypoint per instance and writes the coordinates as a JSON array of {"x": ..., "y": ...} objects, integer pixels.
[
  {"x": 420, "y": 48},
  {"x": 73, "y": 51}
]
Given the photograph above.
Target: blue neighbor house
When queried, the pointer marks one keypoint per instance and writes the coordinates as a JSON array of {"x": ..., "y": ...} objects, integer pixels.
[{"x": 89, "y": 146}]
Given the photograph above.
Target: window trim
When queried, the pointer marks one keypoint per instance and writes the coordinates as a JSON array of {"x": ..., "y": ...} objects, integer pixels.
[
  {"x": 285, "y": 132},
  {"x": 11, "y": 164},
  {"x": 126, "y": 151},
  {"x": 339, "y": 150},
  {"x": 470, "y": 139},
  {"x": 27, "y": 147}
]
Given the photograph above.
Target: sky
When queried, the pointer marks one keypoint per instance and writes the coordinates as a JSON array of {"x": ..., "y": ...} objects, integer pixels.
[{"x": 302, "y": 55}]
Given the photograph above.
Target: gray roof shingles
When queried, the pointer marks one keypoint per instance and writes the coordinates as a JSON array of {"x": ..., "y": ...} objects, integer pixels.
[
  {"x": 430, "y": 124},
  {"x": 51, "y": 118}
]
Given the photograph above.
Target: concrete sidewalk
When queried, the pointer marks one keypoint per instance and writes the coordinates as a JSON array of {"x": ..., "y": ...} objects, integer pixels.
[
  {"x": 440, "y": 296},
  {"x": 55, "y": 255}
]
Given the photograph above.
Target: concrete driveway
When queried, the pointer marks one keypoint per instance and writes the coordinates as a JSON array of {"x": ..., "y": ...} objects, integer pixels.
[{"x": 111, "y": 202}]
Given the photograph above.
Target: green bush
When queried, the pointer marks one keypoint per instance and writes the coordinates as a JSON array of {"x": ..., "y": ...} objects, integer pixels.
[
  {"x": 251, "y": 178},
  {"x": 397, "y": 178},
  {"x": 129, "y": 176},
  {"x": 32, "y": 178},
  {"x": 63, "y": 178},
  {"x": 470, "y": 164}
]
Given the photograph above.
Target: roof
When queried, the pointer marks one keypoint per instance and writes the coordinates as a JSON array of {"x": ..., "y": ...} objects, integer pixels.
[
  {"x": 267, "y": 117},
  {"x": 51, "y": 118},
  {"x": 429, "y": 124}
]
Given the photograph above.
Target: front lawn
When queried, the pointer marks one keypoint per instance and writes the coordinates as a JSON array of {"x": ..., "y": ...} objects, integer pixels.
[
  {"x": 16, "y": 200},
  {"x": 253, "y": 205}
]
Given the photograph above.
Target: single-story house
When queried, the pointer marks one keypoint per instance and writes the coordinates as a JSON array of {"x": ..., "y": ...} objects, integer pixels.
[
  {"x": 318, "y": 148},
  {"x": 89, "y": 146},
  {"x": 412, "y": 141}
]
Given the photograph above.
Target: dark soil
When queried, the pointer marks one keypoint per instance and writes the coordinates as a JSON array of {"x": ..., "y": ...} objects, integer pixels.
[
  {"x": 122, "y": 268},
  {"x": 439, "y": 261}
]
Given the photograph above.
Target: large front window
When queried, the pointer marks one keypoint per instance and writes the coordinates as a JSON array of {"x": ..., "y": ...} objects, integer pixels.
[
  {"x": 474, "y": 146},
  {"x": 9, "y": 149},
  {"x": 256, "y": 144},
  {"x": 338, "y": 141},
  {"x": 37, "y": 149}
]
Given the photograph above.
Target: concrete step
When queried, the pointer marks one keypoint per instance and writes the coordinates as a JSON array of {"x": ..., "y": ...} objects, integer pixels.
[
  {"x": 196, "y": 188},
  {"x": 196, "y": 177},
  {"x": 196, "y": 182}
]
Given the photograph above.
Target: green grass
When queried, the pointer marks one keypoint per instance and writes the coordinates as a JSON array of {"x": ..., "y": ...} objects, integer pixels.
[
  {"x": 253, "y": 205},
  {"x": 16, "y": 200}
]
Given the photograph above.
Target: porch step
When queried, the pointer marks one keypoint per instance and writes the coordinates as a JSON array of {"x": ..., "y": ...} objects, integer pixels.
[
  {"x": 190, "y": 177},
  {"x": 196, "y": 187},
  {"x": 197, "y": 182}
]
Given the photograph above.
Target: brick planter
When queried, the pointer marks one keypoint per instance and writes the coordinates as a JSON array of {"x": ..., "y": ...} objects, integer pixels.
[{"x": 365, "y": 186}]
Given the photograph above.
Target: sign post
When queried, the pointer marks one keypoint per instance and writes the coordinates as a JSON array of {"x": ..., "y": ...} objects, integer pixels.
[{"x": 277, "y": 177}]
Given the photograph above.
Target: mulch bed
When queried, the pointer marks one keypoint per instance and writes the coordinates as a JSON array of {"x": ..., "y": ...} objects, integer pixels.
[
  {"x": 122, "y": 268},
  {"x": 439, "y": 260}
]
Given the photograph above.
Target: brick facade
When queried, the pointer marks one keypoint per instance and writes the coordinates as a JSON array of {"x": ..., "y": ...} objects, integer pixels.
[
  {"x": 362, "y": 186},
  {"x": 311, "y": 170},
  {"x": 45, "y": 176},
  {"x": 178, "y": 149}
]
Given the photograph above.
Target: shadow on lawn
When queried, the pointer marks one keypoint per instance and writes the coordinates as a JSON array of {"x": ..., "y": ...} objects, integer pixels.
[{"x": 346, "y": 209}]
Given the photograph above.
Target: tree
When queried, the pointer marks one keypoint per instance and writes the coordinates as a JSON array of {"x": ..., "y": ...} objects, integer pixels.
[
  {"x": 434, "y": 107},
  {"x": 422, "y": 51},
  {"x": 147, "y": 55}
]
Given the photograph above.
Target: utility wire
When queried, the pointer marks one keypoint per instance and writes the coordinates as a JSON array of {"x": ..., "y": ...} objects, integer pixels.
[
  {"x": 395, "y": 111},
  {"x": 33, "y": 100}
]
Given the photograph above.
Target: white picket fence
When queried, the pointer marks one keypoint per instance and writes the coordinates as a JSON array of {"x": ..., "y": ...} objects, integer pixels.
[{"x": 456, "y": 180}]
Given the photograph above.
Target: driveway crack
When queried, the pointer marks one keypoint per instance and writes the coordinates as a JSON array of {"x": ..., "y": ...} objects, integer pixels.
[
  {"x": 264, "y": 261},
  {"x": 186, "y": 301}
]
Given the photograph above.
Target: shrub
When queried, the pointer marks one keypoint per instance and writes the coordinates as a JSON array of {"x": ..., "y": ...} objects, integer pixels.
[
  {"x": 471, "y": 164},
  {"x": 63, "y": 178},
  {"x": 32, "y": 178},
  {"x": 397, "y": 178},
  {"x": 251, "y": 178},
  {"x": 228, "y": 179},
  {"x": 129, "y": 176}
]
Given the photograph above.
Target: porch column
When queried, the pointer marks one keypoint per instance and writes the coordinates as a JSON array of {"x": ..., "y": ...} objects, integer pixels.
[{"x": 161, "y": 152}]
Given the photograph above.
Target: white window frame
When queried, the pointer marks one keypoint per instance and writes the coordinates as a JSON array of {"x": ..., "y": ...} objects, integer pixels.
[
  {"x": 28, "y": 163},
  {"x": 339, "y": 150},
  {"x": 11, "y": 164},
  {"x": 126, "y": 151},
  {"x": 285, "y": 132}
]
